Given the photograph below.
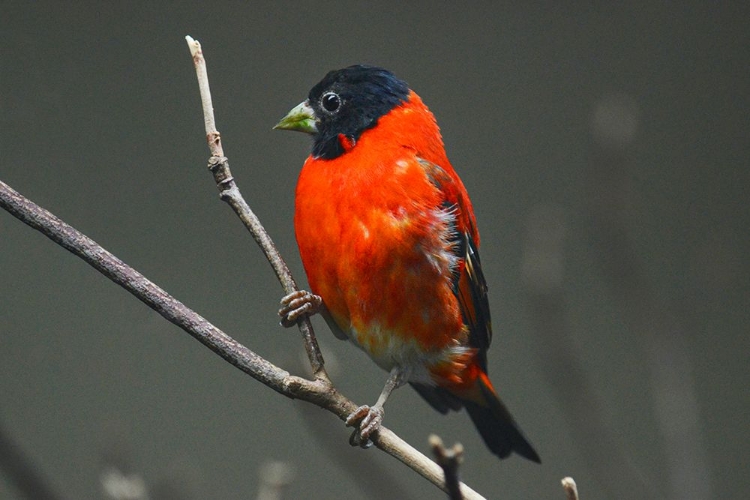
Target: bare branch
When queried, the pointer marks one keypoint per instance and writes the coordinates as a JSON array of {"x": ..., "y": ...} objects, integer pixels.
[
  {"x": 218, "y": 164},
  {"x": 144, "y": 290},
  {"x": 449, "y": 460},
  {"x": 214, "y": 141}
]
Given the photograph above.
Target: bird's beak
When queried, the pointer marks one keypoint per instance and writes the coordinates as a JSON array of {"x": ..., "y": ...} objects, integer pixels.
[{"x": 301, "y": 119}]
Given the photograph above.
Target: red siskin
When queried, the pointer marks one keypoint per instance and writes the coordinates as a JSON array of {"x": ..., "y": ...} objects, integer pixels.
[{"x": 387, "y": 235}]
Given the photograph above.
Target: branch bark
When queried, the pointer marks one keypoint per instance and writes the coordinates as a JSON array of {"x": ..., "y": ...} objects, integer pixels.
[
  {"x": 449, "y": 459},
  {"x": 218, "y": 164}
]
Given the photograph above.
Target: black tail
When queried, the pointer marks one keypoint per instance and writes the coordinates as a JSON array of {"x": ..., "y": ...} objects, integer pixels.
[{"x": 499, "y": 431}]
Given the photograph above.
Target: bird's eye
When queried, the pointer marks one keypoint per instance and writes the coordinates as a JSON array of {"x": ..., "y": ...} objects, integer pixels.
[{"x": 330, "y": 101}]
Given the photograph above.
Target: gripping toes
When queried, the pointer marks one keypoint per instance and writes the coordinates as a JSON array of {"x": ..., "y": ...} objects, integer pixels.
[
  {"x": 369, "y": 419},
  {"x": 298, "y": 304}
]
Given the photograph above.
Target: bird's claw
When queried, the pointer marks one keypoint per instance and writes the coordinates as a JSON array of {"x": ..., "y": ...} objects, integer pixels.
[
  {"x": 298, "y": 304},
  {"x": 369, "y": 419}
]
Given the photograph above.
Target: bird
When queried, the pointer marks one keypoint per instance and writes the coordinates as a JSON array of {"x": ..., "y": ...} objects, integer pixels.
[{"x": 388, "y": 239}]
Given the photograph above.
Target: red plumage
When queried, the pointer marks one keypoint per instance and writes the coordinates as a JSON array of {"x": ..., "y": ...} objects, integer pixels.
[{"x": 388, "y": 239}]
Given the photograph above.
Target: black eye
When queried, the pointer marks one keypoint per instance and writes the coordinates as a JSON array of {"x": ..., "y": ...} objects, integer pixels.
[{"x": 330, "y": 102}]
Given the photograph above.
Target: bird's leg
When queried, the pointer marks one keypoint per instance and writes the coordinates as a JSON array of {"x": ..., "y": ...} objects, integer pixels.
[
  {"x": 371, "y": 417},
  {"x": 298, "y": 304}
]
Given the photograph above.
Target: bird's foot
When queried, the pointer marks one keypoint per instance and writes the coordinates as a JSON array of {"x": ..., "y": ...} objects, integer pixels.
[
  {"x": 298, "y": 304},
  {"x": 369, "y": 419}
]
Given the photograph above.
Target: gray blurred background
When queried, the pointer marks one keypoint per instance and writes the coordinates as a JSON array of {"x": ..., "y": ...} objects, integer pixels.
[{"x": 606, "y": 152}]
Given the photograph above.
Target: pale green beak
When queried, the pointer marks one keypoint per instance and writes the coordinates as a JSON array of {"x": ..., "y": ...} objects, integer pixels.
[{"x": 301, "y": 119}]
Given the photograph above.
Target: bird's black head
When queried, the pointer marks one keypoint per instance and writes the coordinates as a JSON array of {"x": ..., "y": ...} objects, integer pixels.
[{"x": 346, "y": 102}]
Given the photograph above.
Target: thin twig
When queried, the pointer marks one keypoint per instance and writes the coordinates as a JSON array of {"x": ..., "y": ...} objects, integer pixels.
[
  {"x": 571, "y": 490},
  {"x": 449, "y": 459},
  {"x": 219, "y": 166}
]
